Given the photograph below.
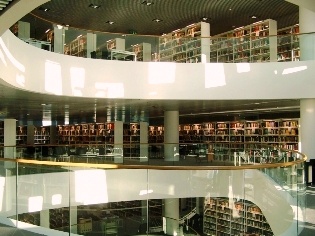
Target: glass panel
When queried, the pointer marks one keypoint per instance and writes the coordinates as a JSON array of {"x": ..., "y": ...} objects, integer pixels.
[{"x": 8, "y": 192}]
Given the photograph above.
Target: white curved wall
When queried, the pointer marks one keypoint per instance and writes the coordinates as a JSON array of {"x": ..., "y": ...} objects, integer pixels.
[
  {"x": 37, "y": 192},
  {"x": 16, "y": 11},
  {"x": 29, "y": 68}
]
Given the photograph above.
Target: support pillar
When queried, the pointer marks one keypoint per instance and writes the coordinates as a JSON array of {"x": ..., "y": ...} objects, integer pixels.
[
  {"x": 307, "y": 127},
  {"x": 90, "y": 45},
  {"x": 45, "y": 219},
  {"x": 307, "y": 41},
  {"x": 73, "y": 219},
  {"x": 59, "y": 39},
  {"x": 171, "y": 137},
  {"x": 10, "y": 167},
  {"x": 171, "y": 216}
]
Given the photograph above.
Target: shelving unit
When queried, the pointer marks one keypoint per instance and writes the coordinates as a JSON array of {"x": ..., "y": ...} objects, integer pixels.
[
  {"x": 237, "y": 136},
  {"x": 142, "y": 51},
  {"x": 186, "y": 45},
  {"x": 117, "y": 43},
  {"x": 77, "y": 47},
  {"x": 223, "y": 217},
  {"x": 190, "y": 133},
  {"x": 89, "y": 133},
  {"x": 221, "y": 145},
  {"x": 256, "y": 42},
  {"x": 156, "y": 134},
  {"x": 224, "y": 138},
  {"x": 288, "y": 44},
  {"x": 42, "y": 135},
  {"x": 131, "y": 140},
  {"x": 1, "y": 132},
  {"x": 59, "y": 218}
]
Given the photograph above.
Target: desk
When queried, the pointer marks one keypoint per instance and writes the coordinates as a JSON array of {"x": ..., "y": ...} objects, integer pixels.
[{"x": 120, "y": 54}]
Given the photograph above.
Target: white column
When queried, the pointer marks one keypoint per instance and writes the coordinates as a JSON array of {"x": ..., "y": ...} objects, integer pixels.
[
  {"x": 144, "y": 142},
  {"x": 24, "y": 30},
  {"x": 171, "y": 214},
  {"x": 90, "y": 44},
  {"x": 118, "y": 140},
  {"x": 10, "y": 152},
  {"x": 59, "y": 39},
  {"x": 73, "y": 219},
  {"x": 306, "y": 24},
  {"x": 45, "y": 219},
  {"x": 171, "y": 137},
  {"x": 307, "y": 127}
]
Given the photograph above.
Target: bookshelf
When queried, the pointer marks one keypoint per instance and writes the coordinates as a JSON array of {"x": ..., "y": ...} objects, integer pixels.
[
  {"x": 288, "y": 44},
  {"x": 117, "y": 43},
  {"x": 224, "y": 138},
  {"x": 131, "y": 139},
  {"x": 21, "y": 135},
  {"x": 156, "y": 134},
  {"x": 237, "y": 217},
  {"x": 1, "y": 132},
  {"x": 59, "y": 218},
  {"x": 208, "y": 132},
  {"x": 190, "y": 133},
  {"x": 77, "y": 47},
  {"x": 186, "y": 45},
  {"x": 256, "y": 42},
  {"x": 142, "y": 51},
  {"x": 88, "y": 133}
]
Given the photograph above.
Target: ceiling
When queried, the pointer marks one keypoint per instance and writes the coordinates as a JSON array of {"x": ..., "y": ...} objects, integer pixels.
[{"x": 132, "y": 15}]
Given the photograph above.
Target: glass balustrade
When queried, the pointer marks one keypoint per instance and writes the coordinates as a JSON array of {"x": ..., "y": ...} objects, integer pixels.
[{"x": 254, "y": 190}]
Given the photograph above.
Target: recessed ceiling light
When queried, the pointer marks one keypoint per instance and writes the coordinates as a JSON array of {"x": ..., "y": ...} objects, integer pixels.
[
  {"x": 110, "y": 22},
  {"x": 47, "y": 31},
  {"x": 157, "y": 20},
  {"x": 253, "y": 17},
  {"x": 230, "y": 9},
  {"x": 204, "y": 18},
  {"x": 43, "y": 9},
  {"x": 147, "y": 3},
  {"x": 94, "y": 6}
]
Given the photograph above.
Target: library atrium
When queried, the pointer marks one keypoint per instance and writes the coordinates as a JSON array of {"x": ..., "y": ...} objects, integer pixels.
[{"x": 157, "y": 117}]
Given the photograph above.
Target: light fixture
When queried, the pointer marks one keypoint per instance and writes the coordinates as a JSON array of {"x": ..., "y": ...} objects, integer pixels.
[
  {"x": 47, "y": 31},
  {"x": 43, "y": 9},
  {"x": 204, "y": 18},
  {"x": 253, "y": 17},
  {"x": 110, "y": 22},
  {"x": 147, "y": 3},
  {"x": 59, "y": 26},
  {"x": 157, "y": 20},
  {"x": 94, "y": 6}
]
